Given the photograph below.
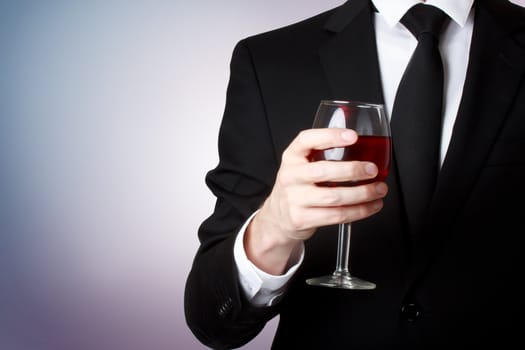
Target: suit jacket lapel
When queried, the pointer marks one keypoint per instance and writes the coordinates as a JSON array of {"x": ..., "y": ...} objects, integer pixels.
[
  {"x": 496, "y": 68},
  {"x": 349, "y": 57}
]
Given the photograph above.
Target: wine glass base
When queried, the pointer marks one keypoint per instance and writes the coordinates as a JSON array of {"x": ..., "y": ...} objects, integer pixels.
[{"x": 342, "y": 281}]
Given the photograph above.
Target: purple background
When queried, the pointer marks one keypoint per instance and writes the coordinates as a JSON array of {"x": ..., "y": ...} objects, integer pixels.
[{"x": 109, "y": 112}]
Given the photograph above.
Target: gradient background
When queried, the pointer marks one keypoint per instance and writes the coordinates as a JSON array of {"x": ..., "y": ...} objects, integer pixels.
[{"x": 109, "y": 112}]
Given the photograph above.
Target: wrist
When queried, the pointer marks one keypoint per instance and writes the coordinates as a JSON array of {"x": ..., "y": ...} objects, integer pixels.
[{"x": 268, "y": 248}]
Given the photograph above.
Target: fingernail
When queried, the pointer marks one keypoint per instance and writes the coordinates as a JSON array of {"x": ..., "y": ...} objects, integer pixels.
[
  {"x": 381, "y": 189},
  {"x": 348, "y": 135},
  {"x": 370, "y": 169}
]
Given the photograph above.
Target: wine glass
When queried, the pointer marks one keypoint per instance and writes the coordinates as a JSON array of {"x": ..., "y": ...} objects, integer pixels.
[{"x": 373, "y": 144}]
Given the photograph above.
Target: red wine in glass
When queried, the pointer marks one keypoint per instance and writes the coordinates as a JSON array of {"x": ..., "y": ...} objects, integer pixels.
[{"x": 370, "y": 148}]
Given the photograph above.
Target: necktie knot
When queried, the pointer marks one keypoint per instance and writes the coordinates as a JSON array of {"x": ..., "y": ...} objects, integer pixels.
[{"x": 421, "y": 19}]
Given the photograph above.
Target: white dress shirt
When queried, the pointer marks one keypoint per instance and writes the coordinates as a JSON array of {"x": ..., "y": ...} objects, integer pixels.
[{"x": 395, "y": 45}]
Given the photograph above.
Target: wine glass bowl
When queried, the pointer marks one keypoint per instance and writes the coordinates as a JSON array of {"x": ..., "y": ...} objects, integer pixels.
[{"x": 373, "y": 144}]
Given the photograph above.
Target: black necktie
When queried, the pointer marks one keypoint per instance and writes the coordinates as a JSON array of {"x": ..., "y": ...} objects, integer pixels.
[{"x": 417, "y": 113}]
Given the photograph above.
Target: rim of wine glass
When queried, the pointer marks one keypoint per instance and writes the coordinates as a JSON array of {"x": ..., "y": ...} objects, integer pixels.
[{"x": 354, "y": 103}]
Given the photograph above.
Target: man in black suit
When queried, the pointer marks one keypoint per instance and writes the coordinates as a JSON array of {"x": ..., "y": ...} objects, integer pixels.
[{"x": 453, "y": 280}]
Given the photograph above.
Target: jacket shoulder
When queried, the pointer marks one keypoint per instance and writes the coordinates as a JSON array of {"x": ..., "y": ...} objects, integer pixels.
[{"x": 304, "y": 30}]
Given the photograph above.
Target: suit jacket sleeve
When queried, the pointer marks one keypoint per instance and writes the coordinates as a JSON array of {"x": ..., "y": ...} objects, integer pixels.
[{"x": 215, "y": 308}]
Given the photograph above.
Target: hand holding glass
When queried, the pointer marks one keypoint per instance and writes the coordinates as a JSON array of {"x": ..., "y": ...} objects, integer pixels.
[{"x": 374, "y": 145}]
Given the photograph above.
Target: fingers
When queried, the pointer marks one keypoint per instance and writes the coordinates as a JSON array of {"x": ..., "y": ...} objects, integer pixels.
[
  {"x": 312, "y": 217},
  {"x": 306, "y": 207},
  {"x": 298, "y": 205},
  {"x": 317, "y": 139},
  {"x": 323, "y": 171},
  {"x": 319, "y": 197}
]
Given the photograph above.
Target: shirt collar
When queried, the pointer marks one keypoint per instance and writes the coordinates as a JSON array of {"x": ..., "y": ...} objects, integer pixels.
[{"x": 393, "y": 10}]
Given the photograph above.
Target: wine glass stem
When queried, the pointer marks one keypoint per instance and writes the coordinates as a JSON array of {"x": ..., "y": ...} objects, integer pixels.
[{"x": 343, "y": 250}]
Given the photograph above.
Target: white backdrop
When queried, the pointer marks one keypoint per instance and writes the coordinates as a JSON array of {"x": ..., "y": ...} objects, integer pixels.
[{"x": 109, "y": 112}]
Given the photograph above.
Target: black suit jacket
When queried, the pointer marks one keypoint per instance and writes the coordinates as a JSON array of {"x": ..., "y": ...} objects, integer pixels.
[{"x": 458, "y": 281}]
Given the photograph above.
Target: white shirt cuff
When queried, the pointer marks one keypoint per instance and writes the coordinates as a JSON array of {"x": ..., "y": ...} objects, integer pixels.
[{"x": 261, "y": 288}]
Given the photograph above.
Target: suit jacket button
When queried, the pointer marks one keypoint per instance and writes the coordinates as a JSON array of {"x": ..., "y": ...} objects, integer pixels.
[
  {"x": 225, "y": 308},
  {"x": 410, "y": 312}
]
